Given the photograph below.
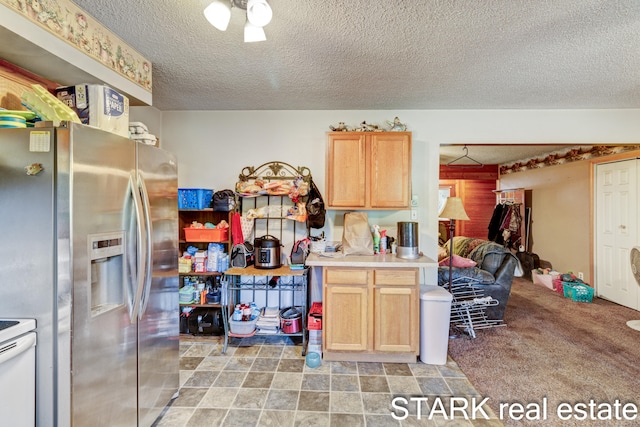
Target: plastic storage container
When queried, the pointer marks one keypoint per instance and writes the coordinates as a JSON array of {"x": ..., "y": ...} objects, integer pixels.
[
  {"x": 206, "y": 234},
  {"x": 242, "y": 327},
  {"x": 579, "y": 292},
  {"x": 435, "y": 313},
  {"x": 194, "y": 198},
  {"x": 545, "y": 280}
]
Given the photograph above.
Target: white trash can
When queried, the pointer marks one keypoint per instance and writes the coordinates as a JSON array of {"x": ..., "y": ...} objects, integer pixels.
[{"x": 435, "y": 312}]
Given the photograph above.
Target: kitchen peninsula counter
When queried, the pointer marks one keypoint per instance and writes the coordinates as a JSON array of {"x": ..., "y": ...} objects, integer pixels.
[
  {"x": 333, "y": 259},
  {"x": 370, "y": 306}
]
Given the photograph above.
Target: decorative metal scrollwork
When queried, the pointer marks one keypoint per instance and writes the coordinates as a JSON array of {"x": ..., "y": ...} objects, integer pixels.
[{"x": 274, "y": 170}]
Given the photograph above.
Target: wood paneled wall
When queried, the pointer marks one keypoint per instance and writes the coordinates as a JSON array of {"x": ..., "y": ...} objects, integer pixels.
[
  {"x": 488, "y": 172},
  {"x": 479, "y": 202}
]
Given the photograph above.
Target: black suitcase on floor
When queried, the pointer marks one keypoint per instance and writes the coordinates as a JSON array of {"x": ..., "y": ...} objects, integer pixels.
[
  {"x": 206, "y": 321},
  {"x": 528, "y": 262},
  {"x": 536, "y": 260}
]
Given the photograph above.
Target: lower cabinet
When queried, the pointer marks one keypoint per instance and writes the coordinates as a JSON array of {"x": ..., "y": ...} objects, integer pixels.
[
  {"x": 371, "y": 314},
  {"x": 394, "y": 324},
  {"x": 346, "y": 309}
]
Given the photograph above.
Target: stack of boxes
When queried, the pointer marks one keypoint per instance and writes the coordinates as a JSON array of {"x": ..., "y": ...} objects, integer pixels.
[
  {"x": 200, "y": 262},
  {"x": 98, "y": 106}
]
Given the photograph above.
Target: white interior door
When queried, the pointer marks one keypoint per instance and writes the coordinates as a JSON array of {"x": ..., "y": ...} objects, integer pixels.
[{"x": 616, "y": 231}]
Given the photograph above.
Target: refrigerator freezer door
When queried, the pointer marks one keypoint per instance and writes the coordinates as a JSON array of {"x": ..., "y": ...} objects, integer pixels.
[
  {"x": 69, "y": 254},
  {"x": 103, "y": 349},
  {"x": 27, "y": 243},
  {"x": 158, "y": 326}
]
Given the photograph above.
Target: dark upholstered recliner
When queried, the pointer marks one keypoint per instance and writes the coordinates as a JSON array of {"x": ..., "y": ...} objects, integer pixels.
[{"x": 494, "y": 272}]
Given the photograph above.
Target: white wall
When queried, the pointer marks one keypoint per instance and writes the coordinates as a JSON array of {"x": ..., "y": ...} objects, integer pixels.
[
  {"x": 213, "y": 146},
  {"x": 560, "y": 203},
  {"x": 150, "y": 116}
]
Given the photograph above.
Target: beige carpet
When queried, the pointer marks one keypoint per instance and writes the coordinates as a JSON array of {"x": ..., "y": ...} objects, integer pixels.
[{"x": 554, "y": 348}]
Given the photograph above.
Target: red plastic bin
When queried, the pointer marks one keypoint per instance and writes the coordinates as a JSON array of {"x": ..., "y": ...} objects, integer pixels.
[
  {"x": 206, "y": 234},
  {"x": 557, "y": 286}
]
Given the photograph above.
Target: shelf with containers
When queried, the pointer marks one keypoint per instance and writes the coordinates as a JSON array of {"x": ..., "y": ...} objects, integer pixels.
[
  {"x": 280, "y": 288},
  {"x": 200, "y": 273},
  {"x": 271, "y": 203}
]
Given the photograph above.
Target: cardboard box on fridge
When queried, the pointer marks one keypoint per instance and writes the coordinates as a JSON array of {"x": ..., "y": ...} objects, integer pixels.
[
  {"x": 98, "y": 106},
  {"x": 314, "y": 320}
]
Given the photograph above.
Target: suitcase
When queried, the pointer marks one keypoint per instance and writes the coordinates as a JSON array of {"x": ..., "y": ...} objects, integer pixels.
[
  {"x": 528, "y": 261},
  {"x": 536, "y": 260},
  {"x": 206, "y": 321}
]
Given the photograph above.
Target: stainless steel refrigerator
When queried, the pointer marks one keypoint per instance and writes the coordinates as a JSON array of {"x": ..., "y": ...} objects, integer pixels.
[{"x": 88, "y": 247}]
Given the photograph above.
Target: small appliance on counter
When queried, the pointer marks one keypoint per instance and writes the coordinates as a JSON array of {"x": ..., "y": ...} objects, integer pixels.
[
  {"x": 408, "y": 240},
  {"x": 267, "y": 250}
]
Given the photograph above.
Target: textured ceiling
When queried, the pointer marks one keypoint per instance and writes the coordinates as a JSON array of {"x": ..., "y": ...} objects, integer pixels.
[{"x": 388, "y": 55}]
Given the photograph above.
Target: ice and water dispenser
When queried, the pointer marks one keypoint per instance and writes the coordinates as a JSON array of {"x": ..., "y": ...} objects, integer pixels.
[{"x": 107, "y": 255}]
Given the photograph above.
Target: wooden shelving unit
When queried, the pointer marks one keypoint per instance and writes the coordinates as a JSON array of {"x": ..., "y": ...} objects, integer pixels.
[{"x": 185, "y": 218}]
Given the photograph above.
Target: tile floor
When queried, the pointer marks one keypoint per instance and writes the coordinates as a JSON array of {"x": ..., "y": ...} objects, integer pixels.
[{"x": 264, "y": 381}]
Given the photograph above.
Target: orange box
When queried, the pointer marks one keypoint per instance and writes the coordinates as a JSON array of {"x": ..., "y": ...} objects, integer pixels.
[
  {"x": 206, "y": 234},
  {"x": 314, "y": 320}
]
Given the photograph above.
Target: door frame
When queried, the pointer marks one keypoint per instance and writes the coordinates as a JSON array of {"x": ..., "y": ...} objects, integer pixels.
[{"x": 629, "y": 155}]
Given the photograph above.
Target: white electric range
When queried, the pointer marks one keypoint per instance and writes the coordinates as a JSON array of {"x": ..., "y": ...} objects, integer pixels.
[{"x": 18, "y": 372}]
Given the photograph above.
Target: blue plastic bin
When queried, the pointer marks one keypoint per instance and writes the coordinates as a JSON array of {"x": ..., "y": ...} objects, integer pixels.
[{"x": 194, "y": 198}]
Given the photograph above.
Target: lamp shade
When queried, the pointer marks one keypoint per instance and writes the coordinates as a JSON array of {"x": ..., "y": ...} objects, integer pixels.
[
  {"x": 253, "y": 33},
  {"x": 259, "y": 12},
  {"x": 453, "y": 209},
  {"x": 218, "y": 14}
]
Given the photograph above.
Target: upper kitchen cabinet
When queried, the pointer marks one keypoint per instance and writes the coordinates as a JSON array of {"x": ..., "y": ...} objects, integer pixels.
[{"x": 369, "y": 170}]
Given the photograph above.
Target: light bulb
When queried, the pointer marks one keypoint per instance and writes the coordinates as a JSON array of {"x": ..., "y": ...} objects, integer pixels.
[{"x": 259, "y": 12}]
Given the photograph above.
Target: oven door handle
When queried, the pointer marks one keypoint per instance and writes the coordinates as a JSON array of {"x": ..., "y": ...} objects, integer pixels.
[{"x": 16, "y": 347}]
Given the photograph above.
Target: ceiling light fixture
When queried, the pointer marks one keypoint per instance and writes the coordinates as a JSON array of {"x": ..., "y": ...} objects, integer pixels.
[
  {"x": 253, "y": 33},
  {"x": 218, "y": 14},
  {"x": 259, "y": 14}
]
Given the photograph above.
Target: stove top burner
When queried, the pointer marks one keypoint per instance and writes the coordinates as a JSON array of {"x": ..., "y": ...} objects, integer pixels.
[{"x": 4, "y": 324}]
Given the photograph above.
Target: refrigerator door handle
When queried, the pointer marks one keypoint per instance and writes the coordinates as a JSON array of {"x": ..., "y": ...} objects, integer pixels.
[
  {"x": 144, "y": 196},
  {"x": 141, "y": 249}
]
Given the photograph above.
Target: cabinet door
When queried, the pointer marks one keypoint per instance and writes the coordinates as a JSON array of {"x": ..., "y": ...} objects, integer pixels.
[
  {"x": 396, "y": 319},
  {"x": 345, "y": 315},
  {"x": 390, "y": 172},
  {"x": 346, "y": 170}
]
